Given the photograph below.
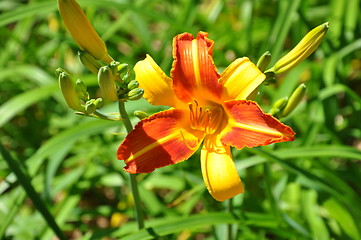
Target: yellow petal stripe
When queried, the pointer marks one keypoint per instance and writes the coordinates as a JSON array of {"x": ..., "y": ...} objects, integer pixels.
[
  {"x": 160, "y": 140},
  {"x": 218, "y": 169},
  {"x": 196, "y": 62},
  {"x": 240, "y": 79},
  {"x": 150, "y": 147},
  {"x": 255, "y": 128},
  {"x": 156, "y": 84}
]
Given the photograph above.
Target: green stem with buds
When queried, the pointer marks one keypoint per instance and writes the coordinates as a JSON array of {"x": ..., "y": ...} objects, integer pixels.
[{"x": 133, "y": 181}]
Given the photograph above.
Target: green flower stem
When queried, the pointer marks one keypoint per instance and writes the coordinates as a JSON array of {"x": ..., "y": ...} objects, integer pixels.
[
  {"x": 229, "y": 226},
  {"x": 25, "y": 181},
  {"x": 106, "y": 117},
  {"x": 133, "y": 180}
]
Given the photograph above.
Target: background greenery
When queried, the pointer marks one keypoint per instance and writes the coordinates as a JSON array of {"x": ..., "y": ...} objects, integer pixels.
[{"x": 306, "y": 189}]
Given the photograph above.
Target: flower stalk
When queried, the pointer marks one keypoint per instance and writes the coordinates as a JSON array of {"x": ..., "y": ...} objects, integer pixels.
[{"x": 133, "y": 180}]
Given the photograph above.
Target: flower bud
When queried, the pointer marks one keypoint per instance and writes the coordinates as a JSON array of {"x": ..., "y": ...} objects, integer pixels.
[
  {"x": 58, "y": 71},
  {"x": 118, "y": 68},
  {"x": 263, "y": 61},
  {"x": 303, "y": 49},
  {"x": 133, "y": 84},
  {"x": 294, "y": 100},
  {"x": 81, "y": 90},
  {"x": 114, "y": 68},
  {"x": 68, "y": 89},
  {"x": 82, "y": 31},
  {"x": 89, "y": 62},
  {"x": 122, "y": 68},
  {"x": 107, "y": 84},
  {"x": 278, "y": 106},
  {"x": 98, "y": 102},
  {"x": 126, "y": 78},
  {"x": 140, "y": 114},
  {"x": 90, "y": 107},
  {"x": 135, "y": 94}
]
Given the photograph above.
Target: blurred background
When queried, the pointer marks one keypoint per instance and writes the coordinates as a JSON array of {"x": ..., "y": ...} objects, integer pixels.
[{"x": 306, "y": 189}]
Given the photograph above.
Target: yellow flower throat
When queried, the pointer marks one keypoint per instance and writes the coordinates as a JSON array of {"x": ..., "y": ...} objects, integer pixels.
[{"x": 206, "y": 119}]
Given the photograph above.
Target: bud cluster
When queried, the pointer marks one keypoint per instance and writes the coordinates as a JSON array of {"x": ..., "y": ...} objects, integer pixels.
[
  {"x": 114, "y": 82},
  {"x": 76, "y": 95},
  {"x": 127, "y": 89}
]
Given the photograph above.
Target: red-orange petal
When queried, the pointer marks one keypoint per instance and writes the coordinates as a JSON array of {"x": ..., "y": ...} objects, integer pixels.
[
  {"x": 193, "y": 72},
  {"x": 249, "y": 126},
  {"x": 158, "y": 141}
]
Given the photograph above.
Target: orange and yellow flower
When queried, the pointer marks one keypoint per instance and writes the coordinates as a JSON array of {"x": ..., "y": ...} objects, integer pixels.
[{"x": 207, "y": 108}]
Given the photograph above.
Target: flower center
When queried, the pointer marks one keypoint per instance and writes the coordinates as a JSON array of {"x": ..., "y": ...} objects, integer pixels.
[{"x": 206, "y": 118}]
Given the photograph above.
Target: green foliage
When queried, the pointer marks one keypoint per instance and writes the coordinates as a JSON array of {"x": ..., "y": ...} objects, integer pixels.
[{"x": 306, "y": 189}]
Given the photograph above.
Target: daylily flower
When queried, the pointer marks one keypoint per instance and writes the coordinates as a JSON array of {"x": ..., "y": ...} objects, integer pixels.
[{"x": 208, "y": 108}]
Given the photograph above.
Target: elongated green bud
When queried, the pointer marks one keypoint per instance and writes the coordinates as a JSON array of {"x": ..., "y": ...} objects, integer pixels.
[
  {"x": 82, "y": 31},
  {"x": 278, "y": 105},
  {"x": 263, "y": 61},
  {"x": 68, "y": 89},
  {"x": 133, "y": 84},
  {"x": 302, "y": 50},
  {"x": 81, "y": 90},
  {"x": 135, "y": 94},
  {"x": 294, "y": 100},
  {"x": 89, "y": 62},
  {"x": 140, "y": 114},
  {"x": 107, "y": 84}
]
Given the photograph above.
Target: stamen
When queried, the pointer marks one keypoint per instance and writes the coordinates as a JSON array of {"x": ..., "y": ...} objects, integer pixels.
[{"x": 204, "y": 119}]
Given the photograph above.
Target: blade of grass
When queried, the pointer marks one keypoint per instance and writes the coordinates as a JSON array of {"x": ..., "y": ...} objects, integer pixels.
[
  {"x": 284, "y": 25},
  {"x": 311, "y": 214},
  {"x": 351, "y": 18},
  {"x": 184, "y": 223},
  {"x": 316, "y": 182},
  {"x": 12, "y": 212},
  {"x": 75, "y": 133},
  {"x": 343, "y": 217},
  {"x": 344, "y": 152},
  {"x": 33, "y": 195},
  {"x": 18, "y": 103}
]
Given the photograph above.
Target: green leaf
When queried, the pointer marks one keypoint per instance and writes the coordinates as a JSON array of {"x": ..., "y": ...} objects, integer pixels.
[
  {"x": 18, "y": 103},
  {"x": 29, "y": 10},
  {"x": 180, "y": 224},
  {"x": 312, "y": 215},
  {"x": 343, "y": 218}
]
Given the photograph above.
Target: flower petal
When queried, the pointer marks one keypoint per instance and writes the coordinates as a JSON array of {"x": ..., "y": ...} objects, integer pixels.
[
  {"x": 249, "y": 126},
  {"x": 193, "y": 72},
  {"x": 218, "y": 169},
  {"x": 156, "y": 84},
  {"x": 158, "y": 141},
  {"x": 240, "y": 79}
]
